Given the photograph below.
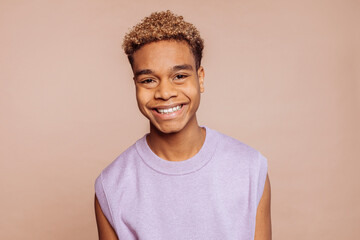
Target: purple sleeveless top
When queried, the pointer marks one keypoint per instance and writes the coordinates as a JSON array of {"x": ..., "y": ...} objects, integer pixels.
[{"x": 213, "y": 195}]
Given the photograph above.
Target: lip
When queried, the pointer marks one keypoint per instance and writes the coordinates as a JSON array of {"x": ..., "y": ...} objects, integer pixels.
[
  {"x": 168, "y": 106},
  {"x": 168, "y": 116}
]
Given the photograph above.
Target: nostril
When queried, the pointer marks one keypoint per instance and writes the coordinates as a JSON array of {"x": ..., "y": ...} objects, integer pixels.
[{"x": 165, "y": 91}]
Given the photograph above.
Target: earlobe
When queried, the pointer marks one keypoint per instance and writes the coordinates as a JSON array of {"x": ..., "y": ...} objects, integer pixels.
[{"x": 201, "y": 76}]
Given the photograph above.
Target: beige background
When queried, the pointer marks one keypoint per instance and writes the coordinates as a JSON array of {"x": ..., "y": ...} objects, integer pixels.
[{"x": 281, "y": 76}]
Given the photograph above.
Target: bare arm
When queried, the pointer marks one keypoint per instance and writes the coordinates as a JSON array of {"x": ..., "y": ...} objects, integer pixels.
[
  {"x": 263, "y": 215},
  {"x": 106, "y": 232}
]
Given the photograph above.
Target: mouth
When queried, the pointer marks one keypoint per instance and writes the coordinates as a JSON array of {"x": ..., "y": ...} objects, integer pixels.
[{"x": 169, "y": 110}]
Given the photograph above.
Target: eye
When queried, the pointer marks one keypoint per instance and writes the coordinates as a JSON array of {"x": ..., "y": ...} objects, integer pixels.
[
  {"x": 147, "y": 81},
  {"x": 180, "y": 77}
]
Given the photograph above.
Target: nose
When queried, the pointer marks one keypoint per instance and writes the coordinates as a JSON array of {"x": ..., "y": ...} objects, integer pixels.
[{"x": 165, "y": 90}]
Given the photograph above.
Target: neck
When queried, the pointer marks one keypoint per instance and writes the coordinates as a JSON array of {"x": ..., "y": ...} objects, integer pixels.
[{"x": 177, "y": 146}]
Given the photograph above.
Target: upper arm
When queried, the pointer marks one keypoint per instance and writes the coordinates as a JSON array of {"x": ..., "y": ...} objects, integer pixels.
[
  {"x": 263, "y": 214},
  {"x": 105, "y": 230}
]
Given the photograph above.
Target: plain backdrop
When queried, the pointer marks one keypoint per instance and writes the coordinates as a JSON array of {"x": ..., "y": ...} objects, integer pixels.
[{"x": 281, "y": 76}]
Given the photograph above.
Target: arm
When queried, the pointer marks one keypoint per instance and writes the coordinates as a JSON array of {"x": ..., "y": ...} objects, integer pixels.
[
  {"x": 106, "y": 232},
  {"x": 263, "y": 215}
]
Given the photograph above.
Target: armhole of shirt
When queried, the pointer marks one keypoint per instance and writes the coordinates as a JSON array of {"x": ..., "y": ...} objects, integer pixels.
[
  {"x": 103, "y": 200},
  {"x": 263, "y": 169}
]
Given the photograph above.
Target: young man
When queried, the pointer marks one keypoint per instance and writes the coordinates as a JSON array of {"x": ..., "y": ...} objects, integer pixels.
[{"x": 180, "y": 181}]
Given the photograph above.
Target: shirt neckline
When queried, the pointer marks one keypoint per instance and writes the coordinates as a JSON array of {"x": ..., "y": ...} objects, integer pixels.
[{"x": 190, "y": 165}]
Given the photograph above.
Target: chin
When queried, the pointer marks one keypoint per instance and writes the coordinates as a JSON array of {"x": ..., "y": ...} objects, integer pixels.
[{"x": 168, "y": 129}]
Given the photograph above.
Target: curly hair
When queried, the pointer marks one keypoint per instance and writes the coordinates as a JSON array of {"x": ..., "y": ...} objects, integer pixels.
[{"x": 163, "y": 26}]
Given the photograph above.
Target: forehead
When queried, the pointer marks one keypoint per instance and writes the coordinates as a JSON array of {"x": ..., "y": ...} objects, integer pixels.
[{"x": 163, "y": 55}]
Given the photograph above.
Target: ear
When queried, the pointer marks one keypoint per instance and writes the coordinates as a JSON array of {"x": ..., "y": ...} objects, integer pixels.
[{"x": 201, "y": 76}]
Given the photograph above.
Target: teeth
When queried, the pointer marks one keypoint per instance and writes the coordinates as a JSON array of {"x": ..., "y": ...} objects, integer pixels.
[{"x": 169, "y": 110}]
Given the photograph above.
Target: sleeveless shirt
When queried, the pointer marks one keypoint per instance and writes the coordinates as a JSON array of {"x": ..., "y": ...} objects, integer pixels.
[{"x": 213, "y": 195}]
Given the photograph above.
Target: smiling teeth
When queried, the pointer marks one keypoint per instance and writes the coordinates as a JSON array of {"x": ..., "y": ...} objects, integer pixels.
[{"x": 169, "y": 110}]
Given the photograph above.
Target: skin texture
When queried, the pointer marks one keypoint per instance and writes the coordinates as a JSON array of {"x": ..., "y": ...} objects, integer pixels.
[
  {"x": 165, "y": 76},
  {"x": 263, "y": 214},
  {"x": 105, "y": 231}
]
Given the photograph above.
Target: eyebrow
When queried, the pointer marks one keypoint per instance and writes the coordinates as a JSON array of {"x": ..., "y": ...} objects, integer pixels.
[
  {"x": 175, "y": 68},
  {"x": 143, "y": 72},
  {"x": 182, "y": 67}
]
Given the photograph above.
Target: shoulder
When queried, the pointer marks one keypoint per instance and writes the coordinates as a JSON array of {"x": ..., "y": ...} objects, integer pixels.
[
  {"x": 233, "y": 147},
  {"x": 244, "y": 160},
  {"x": 122, "y": 167},
  {"x": 235, "y": 150},
  {"x": 116, "y": 177}
]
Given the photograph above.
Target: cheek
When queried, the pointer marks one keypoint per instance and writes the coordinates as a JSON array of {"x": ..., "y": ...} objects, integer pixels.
[
  {"x": 193, "y": 92},
  {"x": 141, "y": 105},
  {"x": 139, "y": 99},
  {"x": 142, "y": 98},
  {"x": 191, "y": 88}
]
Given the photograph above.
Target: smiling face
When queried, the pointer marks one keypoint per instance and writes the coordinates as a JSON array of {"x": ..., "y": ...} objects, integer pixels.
[{"x": 168, "y": 86}]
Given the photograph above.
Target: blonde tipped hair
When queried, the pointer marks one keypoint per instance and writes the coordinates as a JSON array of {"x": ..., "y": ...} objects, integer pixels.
[{"x": 163, "y": 26}]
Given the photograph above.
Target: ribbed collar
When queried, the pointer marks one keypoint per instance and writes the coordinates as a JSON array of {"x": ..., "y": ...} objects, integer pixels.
[{"x": 181, "y": 167}]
